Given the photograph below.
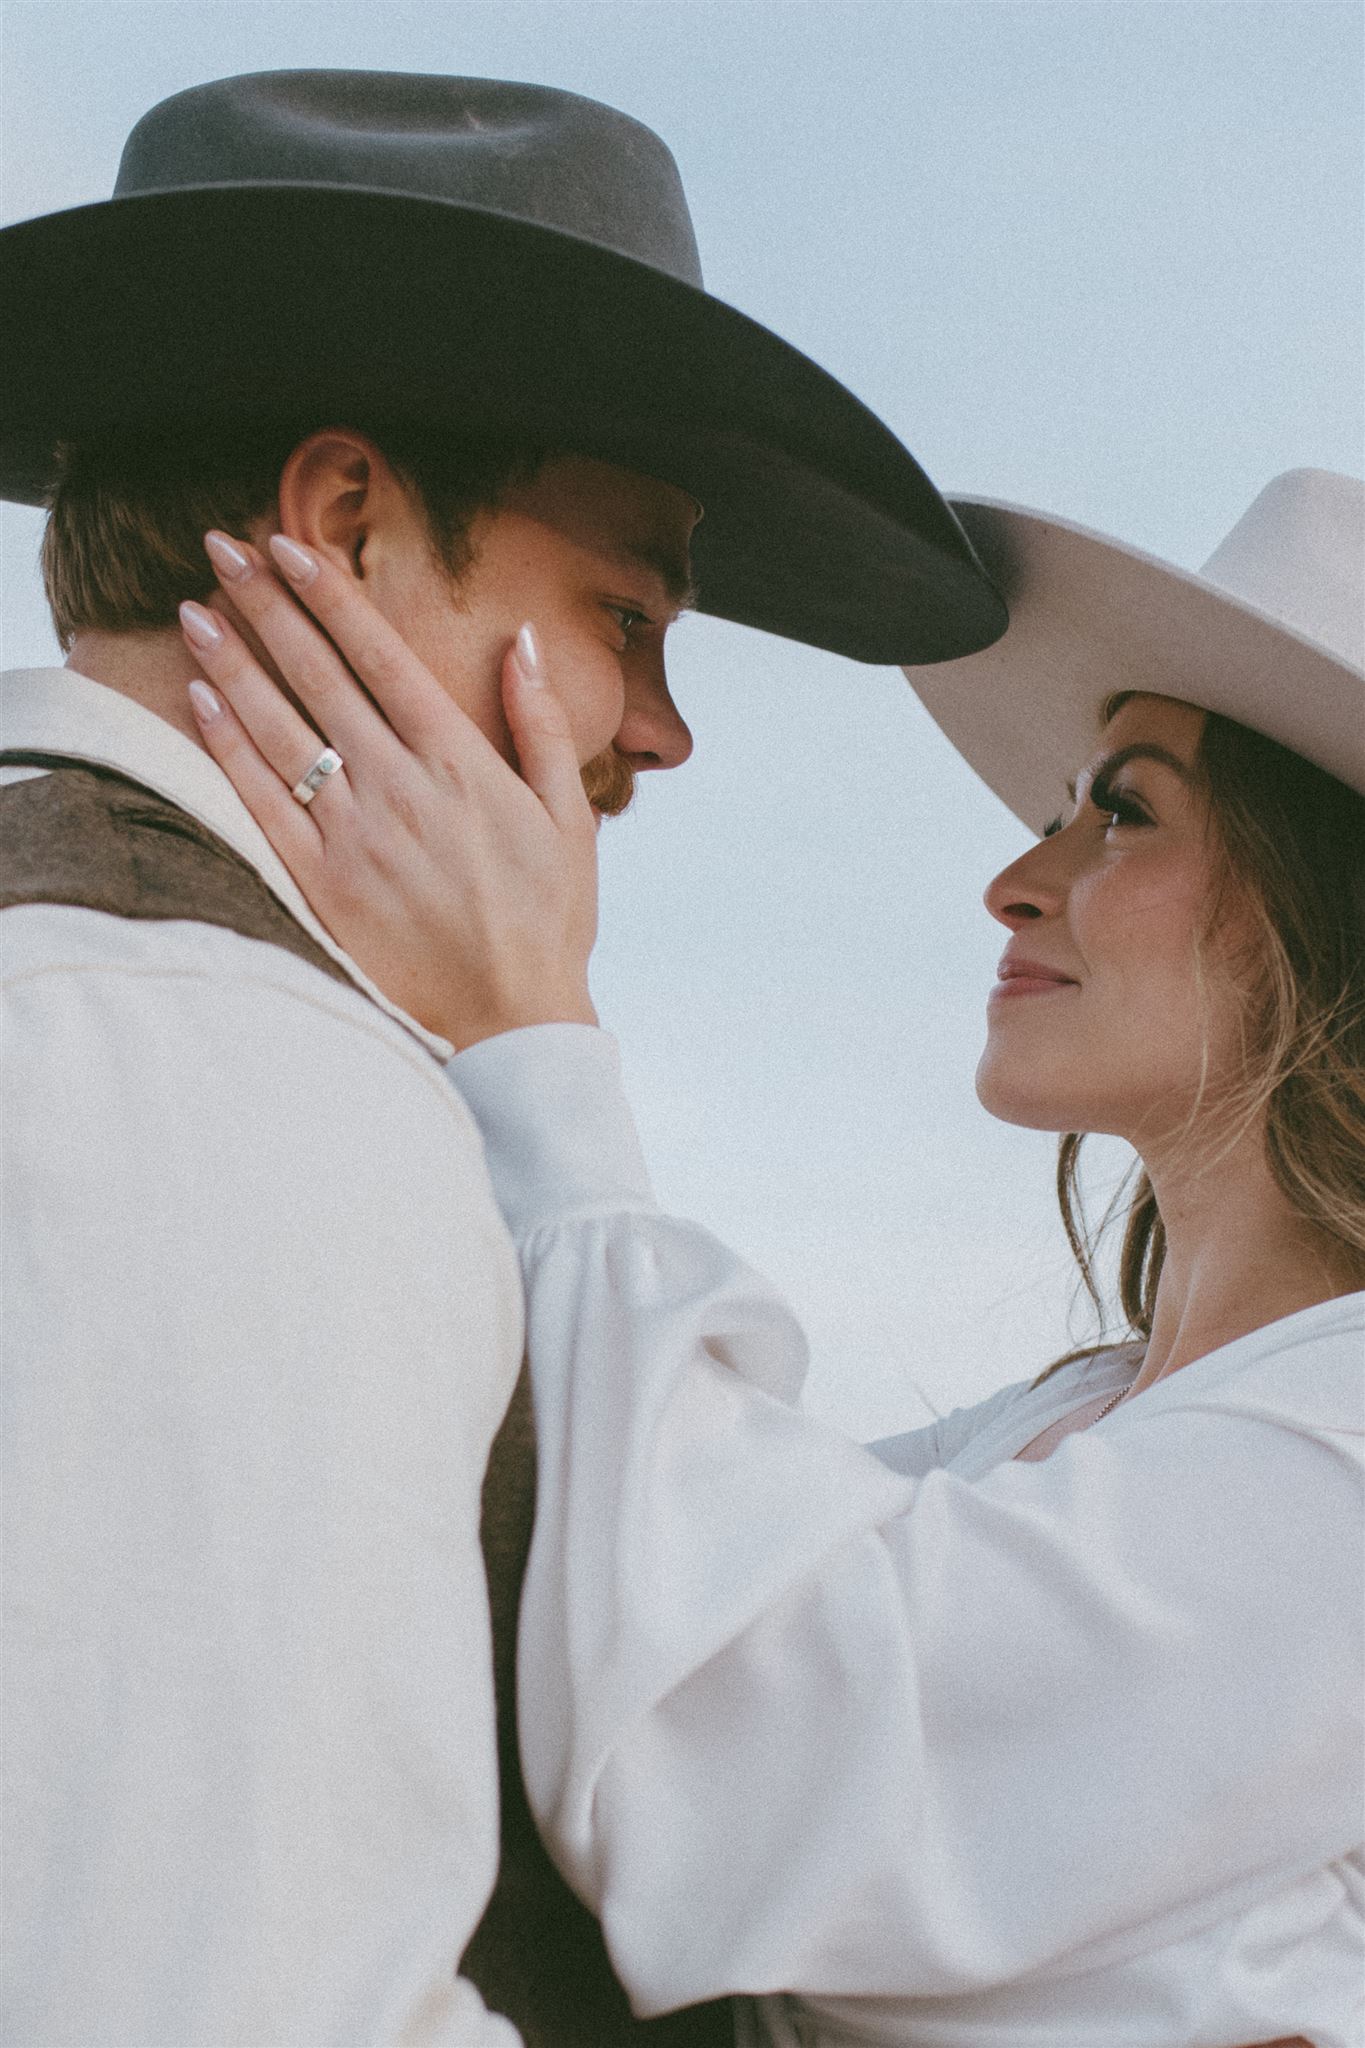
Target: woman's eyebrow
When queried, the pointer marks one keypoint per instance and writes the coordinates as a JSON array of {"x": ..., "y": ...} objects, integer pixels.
[{"x": 1140, "y": 750}]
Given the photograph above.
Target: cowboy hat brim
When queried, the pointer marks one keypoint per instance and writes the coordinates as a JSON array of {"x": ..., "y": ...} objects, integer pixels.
[
  {"x": 1089, "y": 617},
  {"x": 308, "y": 303}
]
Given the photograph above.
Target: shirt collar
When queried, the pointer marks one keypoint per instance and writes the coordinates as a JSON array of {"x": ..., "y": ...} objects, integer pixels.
[{"x": 58, "y": 711}]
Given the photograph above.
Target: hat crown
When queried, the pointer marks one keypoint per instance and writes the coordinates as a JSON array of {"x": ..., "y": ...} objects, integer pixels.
[
  {"x": 528, "y": 152},
  {"x": 1297, "y": 554},
  {"x": 483, "y": 260}
]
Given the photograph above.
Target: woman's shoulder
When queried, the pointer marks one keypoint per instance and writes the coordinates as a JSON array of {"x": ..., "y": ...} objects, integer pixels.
[
  {"x": 1076, "y": 1379},
  {"x": 1305, "y": 1370}
]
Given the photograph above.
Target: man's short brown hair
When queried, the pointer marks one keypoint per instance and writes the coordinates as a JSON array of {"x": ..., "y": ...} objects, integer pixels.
[{"x": 124, "y": 543}]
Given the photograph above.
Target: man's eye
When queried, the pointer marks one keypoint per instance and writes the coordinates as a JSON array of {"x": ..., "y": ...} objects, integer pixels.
[{"x": 628, "y": 617}]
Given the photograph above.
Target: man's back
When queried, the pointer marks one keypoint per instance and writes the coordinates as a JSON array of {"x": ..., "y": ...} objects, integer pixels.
[{"x": 262, "y": 1322}]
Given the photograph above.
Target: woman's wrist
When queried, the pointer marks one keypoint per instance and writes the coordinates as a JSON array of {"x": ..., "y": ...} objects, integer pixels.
[
  {"x": 465, "y": 1029},
  {"x": 558, "y": 1132}
]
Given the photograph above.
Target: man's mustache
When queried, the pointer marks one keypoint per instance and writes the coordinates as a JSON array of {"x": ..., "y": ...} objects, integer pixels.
[{"x": 609, "y": 781}]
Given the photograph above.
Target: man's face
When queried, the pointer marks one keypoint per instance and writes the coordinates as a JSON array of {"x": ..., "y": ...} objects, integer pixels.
[{"x": 596, "y": 559}]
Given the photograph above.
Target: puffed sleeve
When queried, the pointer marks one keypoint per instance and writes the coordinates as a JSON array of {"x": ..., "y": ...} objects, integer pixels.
[{"x": 794, "y": 1721}]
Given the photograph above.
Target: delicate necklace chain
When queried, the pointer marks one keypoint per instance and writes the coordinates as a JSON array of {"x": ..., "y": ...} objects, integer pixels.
[{"x": 1112, "y": 1403}]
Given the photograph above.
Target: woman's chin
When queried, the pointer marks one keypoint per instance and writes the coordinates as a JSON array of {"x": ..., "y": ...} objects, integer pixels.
[{"x": 1015, "y": 1097}]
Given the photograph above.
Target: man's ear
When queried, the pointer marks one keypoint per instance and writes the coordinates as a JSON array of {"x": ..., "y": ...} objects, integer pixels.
[{"x": 335, "y": 488}]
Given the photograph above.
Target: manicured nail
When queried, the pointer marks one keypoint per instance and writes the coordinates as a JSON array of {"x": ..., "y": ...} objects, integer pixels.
[
  {"x": 293, "y": 561},
  {"x": 528, "y": 656},
  {"x": 204, "y": 703},
  {"x": 227, "y": 558},
  {"x": 200, "y": 627}
]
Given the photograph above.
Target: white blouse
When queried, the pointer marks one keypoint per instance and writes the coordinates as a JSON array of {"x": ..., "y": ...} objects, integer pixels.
[{"x": 928, "y": 1746}]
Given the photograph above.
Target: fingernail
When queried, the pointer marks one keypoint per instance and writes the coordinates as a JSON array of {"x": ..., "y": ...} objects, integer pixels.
[
  {"x": 294, "y": 562},
  {"x": 200, "y": 626},
  {"x": 226, "y": 557},
  {"x": 204, "y": 703},
  {"x": 528, "y": 655}
]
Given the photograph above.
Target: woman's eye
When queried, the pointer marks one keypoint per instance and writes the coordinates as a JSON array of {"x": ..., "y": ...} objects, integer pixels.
[{"x": 1117, "y": 805}]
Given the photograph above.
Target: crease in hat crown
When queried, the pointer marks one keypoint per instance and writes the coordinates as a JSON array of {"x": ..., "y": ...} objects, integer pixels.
[
  {"x": 1297, "y": 554},
  {"x": 527, "y": 152}
]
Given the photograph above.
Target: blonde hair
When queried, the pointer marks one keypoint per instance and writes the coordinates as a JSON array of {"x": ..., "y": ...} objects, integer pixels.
[
  {"x": 1290, "y": 842},
  {"x": 124, "y": 542}
]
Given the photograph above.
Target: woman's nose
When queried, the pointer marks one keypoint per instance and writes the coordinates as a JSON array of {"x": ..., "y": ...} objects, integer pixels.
[{"x": 1032, "y": 887}]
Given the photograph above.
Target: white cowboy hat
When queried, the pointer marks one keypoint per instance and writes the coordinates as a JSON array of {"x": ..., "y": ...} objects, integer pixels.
[{"x": 1271, "y": 633}]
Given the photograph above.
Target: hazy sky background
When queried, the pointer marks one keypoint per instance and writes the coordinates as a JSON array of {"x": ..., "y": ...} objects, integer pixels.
[{"x": 1101, "y": 258}]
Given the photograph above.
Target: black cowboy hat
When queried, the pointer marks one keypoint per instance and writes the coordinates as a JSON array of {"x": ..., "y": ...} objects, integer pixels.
[{"x": 482, "y": 258}]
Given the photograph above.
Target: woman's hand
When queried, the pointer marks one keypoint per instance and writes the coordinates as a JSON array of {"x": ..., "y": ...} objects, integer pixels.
[{"x": 467, "y": 892}]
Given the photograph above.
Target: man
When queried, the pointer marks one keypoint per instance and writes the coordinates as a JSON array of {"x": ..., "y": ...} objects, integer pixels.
[{"x": 263, "y": 1322}]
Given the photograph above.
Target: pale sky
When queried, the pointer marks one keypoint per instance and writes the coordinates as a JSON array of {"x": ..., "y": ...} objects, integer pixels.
[{"x": 1100, "y": 258}]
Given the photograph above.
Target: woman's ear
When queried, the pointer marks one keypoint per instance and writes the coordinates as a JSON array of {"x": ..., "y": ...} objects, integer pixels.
[{"x": 334, "y": 488}]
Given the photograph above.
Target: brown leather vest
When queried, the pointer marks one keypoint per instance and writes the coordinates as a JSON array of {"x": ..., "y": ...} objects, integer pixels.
[{"x": 83, "y": 836}]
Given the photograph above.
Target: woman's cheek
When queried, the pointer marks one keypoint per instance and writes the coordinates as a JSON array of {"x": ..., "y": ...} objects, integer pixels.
[{"x": 1142, "y": 914}]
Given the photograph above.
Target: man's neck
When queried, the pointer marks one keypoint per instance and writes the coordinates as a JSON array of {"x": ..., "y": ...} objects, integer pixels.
[{"x": 152, "y": 668}]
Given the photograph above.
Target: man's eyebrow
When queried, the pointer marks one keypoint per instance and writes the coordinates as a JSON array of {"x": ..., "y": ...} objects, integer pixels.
[
  {"x": 1140, "y": 750},
  {"x": 673, "y": 570}
]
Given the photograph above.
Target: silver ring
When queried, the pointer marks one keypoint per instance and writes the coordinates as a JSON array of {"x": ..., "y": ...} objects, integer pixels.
[{"x": 307, "y": 786}]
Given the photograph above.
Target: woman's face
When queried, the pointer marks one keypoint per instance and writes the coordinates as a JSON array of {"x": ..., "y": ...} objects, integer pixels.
[{"x": 1114, "y": 1001}]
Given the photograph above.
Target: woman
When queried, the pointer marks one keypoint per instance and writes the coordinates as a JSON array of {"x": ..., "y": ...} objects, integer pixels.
[{"x": 1042, "y": 1725}]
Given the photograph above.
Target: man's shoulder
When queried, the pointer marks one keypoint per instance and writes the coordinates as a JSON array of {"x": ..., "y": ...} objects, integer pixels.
[
  {"x": 151, "y": 878},
  {"x": 175, "y": 1084},
  {"x": 83, "y": 835},
  {"x": 181, "y": 1006},
  {"x": 154, "y": 987}
]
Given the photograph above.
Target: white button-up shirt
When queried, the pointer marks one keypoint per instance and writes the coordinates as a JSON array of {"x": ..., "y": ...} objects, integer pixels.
[
  {"x": 261, "y": 1322},
  {"x": 926, "y": 1747}
]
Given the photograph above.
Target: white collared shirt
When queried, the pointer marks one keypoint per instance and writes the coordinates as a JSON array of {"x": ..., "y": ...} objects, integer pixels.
[
  {"x": 261, "y": 1322},
  {"x": 925, "y": 1747}
]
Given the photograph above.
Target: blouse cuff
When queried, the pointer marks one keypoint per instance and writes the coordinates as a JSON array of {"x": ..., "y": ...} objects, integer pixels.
[{"x": 558, "y": 1133}]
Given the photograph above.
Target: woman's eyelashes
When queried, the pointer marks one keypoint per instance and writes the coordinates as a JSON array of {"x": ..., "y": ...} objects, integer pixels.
[{"x": 1119, "y": 806}]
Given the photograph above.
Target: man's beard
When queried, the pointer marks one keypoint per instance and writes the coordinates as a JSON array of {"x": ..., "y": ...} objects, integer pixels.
[{"x": 609, "y": 781}]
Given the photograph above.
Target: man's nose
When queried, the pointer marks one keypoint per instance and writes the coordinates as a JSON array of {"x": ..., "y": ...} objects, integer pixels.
[{"x": 652, "y": 733}]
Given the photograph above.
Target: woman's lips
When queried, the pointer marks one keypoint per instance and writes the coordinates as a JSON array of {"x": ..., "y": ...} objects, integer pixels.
[{"x": 1028, "y": 978}]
